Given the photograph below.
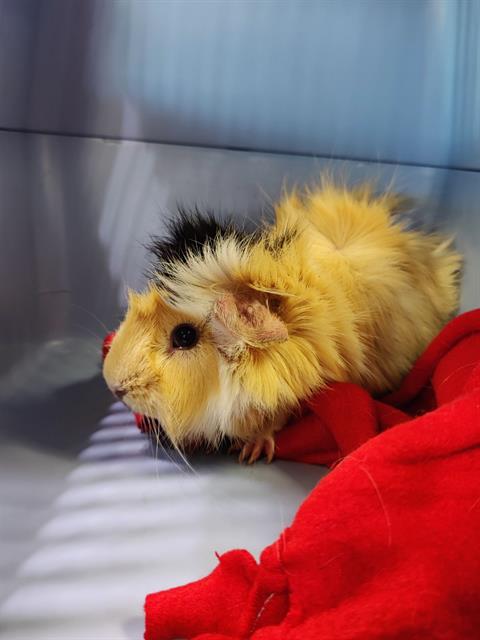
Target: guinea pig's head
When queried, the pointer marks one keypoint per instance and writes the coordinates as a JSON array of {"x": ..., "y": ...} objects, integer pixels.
[
  {"x": 193, "y": 367},
  {"x": 227, "y": 335}
]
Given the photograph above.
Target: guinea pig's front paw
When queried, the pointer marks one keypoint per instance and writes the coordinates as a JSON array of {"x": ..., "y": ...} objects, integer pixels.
[{"x": 262, "y": 446}]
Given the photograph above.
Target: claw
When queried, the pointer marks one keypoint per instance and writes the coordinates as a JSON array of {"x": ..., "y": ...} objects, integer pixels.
[
  {"x": 252, "y": 451},
  {"x": 256, "y": 451},
  {"x": 270, "y": 448},
  {"x": 245, "y": 451}
]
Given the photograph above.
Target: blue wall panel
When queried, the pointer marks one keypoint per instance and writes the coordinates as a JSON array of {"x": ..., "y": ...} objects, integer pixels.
[{"x": 377, "y": 79}]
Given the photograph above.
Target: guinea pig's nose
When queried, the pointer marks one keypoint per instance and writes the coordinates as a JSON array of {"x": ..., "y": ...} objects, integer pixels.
[{"x": 119, "y": 392}]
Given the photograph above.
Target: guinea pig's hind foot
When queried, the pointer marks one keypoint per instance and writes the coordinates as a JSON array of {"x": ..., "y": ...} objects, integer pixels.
[{"x": 262, "y": 446}]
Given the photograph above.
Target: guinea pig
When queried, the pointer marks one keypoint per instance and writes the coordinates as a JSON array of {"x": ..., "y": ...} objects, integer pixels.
[{"x": 235, "y": 329}]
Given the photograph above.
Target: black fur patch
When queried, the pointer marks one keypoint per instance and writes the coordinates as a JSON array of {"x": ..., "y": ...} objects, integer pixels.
[
  {"x": 277, "y": 244},
  {"x": 191, "y": 232}
]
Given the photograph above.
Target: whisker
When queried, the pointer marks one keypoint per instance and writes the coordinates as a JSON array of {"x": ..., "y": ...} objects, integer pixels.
[
  {"x": 182, "y": 457},
  {"x": 87, "y": 330},
  {"x": 92, "y": 315},
  {"x": 152, "y": 431},
  {"x": 155, "y": 429}
]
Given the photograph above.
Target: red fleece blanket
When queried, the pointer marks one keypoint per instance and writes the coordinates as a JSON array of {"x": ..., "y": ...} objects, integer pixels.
[{"x": 387, "y": 545}]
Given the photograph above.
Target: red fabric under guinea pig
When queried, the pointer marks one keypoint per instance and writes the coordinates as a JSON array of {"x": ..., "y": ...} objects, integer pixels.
[{"x": 386, "y": 546}]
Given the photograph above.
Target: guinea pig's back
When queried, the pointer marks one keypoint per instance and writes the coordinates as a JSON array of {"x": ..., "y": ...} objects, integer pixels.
[{"x": 400, "y": 286}]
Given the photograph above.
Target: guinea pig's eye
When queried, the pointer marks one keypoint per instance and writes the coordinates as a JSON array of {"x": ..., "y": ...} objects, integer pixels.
[{"x": 184, "y": 336}]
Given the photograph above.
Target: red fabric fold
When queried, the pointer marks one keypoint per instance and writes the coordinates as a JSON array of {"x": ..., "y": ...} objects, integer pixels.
[{"x": 386, "y": 546}]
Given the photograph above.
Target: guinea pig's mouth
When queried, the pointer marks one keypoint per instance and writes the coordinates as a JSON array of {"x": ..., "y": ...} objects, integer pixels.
[
  {"x": 139, "y": 399},
  {"x": 134, "y": 403},
  {"x": 130, "y": 396}
]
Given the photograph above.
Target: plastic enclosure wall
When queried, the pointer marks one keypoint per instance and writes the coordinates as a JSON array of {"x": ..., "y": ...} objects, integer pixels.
[{"x": 373, "y": 80}]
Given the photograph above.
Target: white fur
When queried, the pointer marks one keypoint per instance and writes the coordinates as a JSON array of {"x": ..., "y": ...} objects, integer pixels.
[
  {"x": 223, "y": 408},
  {"x": 197, "y": 282}
]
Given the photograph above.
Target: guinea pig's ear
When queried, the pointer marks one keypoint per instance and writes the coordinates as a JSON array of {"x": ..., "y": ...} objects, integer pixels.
[{"x": 240, "y": 318}]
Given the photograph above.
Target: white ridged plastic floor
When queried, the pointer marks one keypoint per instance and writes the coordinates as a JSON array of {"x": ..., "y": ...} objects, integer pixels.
[{"x": 129, "y": 521}]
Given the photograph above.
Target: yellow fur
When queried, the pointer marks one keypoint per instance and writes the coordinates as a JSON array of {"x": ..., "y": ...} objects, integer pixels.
[{"x": 360, "y": 297}]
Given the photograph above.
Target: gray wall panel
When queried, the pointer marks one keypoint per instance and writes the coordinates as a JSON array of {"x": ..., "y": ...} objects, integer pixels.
[
  {"x": 371, "y": 79},
  {"x": 77, "y": 212},
  {"x": 465, "y": 135}
]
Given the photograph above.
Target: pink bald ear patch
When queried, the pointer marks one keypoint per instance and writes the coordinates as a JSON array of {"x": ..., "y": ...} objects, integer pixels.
[{"x": 247, "y": 318}]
